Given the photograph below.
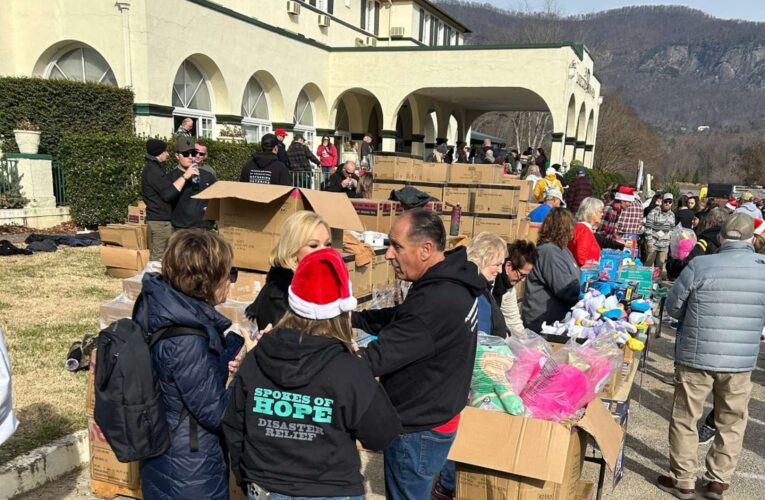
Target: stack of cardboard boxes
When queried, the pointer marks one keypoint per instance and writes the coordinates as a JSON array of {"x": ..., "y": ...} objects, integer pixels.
[
  {"x": 125, "y": 251},
  {"x": 489, "y": 199}
]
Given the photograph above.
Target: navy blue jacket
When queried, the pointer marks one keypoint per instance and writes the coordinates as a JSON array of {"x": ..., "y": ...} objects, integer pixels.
[{"x": 192, "y": 371}]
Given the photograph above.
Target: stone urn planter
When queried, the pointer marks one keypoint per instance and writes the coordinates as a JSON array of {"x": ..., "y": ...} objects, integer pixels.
[{"x": 27, "y": 140}]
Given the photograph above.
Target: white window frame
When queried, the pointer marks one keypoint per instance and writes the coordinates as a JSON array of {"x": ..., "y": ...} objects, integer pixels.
[
  {"x": 426, "y": 30},
  {"x": 204, "y": 121},
  {"x": 262, "y": 127},
  {"x": 440, "y": 33},
  {"x": 71, "y": 48},
  {"x": 369, "y": 17}
]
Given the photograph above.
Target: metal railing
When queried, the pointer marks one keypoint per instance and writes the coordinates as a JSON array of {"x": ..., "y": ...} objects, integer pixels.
[
  {"x": 59, "y": 184},
  {"x": 9, "y": 180},
  {"x": 311, "y": 179}
]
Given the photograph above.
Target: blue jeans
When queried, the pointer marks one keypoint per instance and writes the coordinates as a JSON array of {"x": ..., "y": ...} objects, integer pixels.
[
  {"x": 412, "y": 461},
  {"x": 447, "y": 476}
]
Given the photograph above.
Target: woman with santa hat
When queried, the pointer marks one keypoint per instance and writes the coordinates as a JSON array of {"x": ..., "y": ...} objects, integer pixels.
[{"x": 303, "y": 397}]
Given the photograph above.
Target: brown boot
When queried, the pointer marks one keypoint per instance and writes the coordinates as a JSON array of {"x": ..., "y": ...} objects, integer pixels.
[
  {"x": 714, "y": 490},
  {"x": 666, "y": 483}
]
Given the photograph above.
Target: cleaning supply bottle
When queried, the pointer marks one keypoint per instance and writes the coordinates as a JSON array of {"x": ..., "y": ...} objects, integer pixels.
[{"x": 454, "y": 227}]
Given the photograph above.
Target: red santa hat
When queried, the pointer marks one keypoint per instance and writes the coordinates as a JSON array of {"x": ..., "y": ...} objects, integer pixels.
[
  {"x": 321, "y": 288},
  {"x": 625, "y": 193},
  {"x": 759, "y": 226},
  {"x": 732, "y": 204}
]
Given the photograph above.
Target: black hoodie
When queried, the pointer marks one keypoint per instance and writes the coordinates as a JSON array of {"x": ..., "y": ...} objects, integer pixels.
[
  {"x": 300, "y": 403},
  {"x": 265, "y": 168},
  {"x": 425, "y": 350}
]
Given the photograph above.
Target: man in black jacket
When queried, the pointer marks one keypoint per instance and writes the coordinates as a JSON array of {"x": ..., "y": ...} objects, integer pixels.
[
  {"x": 159, "y": 193},
  {"x": 264, "y": 167},
  {"x": 344, "y": 180},
  {"x": 188, "y": 212},
  {"x": 425, "y": 350}
]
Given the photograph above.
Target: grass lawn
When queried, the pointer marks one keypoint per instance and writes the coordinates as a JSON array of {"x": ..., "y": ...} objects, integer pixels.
[{"x": 48, "y": 301}]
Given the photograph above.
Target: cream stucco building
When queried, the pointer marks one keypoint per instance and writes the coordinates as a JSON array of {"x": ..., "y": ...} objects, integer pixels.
[{"x": 397, "y": 69}]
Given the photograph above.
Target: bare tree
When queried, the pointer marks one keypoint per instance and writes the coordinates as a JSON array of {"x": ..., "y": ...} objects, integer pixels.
[{"x": 521, "y": 128}]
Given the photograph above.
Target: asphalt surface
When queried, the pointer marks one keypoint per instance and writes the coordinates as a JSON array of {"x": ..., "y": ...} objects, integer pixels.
[{"x": 646, "y": 454}]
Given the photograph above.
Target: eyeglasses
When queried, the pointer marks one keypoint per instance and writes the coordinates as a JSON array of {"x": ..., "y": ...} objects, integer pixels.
[
  {"x": 199, "y": 153},
  {"x": 668, "y": 202},
  {"x": 233, "y": 275},
  {"x": 188, "y": 154},
  {"x": 519, "y": 276}
]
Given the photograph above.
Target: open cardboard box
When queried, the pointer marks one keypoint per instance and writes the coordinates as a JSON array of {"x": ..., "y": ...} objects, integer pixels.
[
  {"x": 123, "y": 262},
  {"x": 531, "y": 448},
  {"x": 251, "y": 216}
]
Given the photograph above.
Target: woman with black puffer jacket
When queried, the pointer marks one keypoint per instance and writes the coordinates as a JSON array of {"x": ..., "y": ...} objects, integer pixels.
[{"x": 303, "y": 232}]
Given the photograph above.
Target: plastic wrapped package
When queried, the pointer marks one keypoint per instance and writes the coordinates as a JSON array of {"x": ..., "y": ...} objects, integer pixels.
[
  {"x": 382, "y": 297},
  {"x": 681, "y": 242},
  {"x": 531, "y": 352},
  {"x": 118, "y": 308},
  {"x": 571, "y": 379},
  {"x": 489, "y": 387},
  {"x": 131, "y": 287},
  {"x": 234, "y": 311}
]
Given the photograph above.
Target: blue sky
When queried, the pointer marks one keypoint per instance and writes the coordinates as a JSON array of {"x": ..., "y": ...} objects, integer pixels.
[{"x": 750, "y": 10}]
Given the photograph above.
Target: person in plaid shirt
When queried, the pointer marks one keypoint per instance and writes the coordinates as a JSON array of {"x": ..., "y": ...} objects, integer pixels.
[
  {"x": 609, "y": 224},
  {"x": 631, "y": 219}
]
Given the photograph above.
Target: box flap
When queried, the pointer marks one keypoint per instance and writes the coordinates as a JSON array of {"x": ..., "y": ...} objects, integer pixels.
[
  {"x": 124, "y": 258},
  {"x": 517, "y": 445},
  {"x": 335, "y": 208},
  {"x": 600, "y": 424},
  {"x": 258, "y": 193}
]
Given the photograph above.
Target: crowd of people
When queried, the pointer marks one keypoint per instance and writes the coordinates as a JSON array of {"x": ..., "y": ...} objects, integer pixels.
[{"x": 303, "y": 392}]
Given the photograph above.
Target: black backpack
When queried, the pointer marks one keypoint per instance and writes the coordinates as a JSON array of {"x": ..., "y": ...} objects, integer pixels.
[{"x": 128, "y": 407}]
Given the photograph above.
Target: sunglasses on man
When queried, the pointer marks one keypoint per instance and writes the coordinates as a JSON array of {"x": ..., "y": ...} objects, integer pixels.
[{"x": 189, "y": 153}]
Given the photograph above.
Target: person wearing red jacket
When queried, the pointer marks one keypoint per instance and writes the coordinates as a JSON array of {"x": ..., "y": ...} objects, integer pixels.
[
  {"x": 584, "y": 246},
  {"x": 327, "y": 153}
]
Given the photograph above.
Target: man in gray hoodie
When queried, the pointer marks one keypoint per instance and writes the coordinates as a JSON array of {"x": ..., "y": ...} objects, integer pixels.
[{"x": 748, "y": 207}]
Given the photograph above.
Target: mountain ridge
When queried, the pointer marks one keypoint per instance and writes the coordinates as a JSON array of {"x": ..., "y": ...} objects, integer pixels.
[{"x": 680, "y": 68}]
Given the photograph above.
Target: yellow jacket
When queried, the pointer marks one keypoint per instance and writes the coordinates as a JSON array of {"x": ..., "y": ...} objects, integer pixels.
[{"x": 542, "y": 184}]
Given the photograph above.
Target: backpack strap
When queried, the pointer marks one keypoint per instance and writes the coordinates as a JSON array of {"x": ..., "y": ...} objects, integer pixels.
[{"x": 179, "y": 331}]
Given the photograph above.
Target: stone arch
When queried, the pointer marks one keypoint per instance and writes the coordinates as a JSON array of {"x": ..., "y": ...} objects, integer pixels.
[
  {"x": 590, "y": 128},
  {"x": 581, "y": 123},
  {"x": 365, "y": 114},
  {"x": 571, "y": 117},
  {"x": 44, "y": 67}
]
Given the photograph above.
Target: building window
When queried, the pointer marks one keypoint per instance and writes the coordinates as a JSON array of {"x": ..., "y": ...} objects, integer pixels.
[
  {"x": 433, "y": 30},
  {"x": 440, "y": 37},
  {"x": 191, "y": 98},
  {"x": 426, "y": 32},
  {"x": 82, "y": 64},
  {"x": 255, "y": 116},
  {"x": 370, "y": 13},
  {"x": 303, "y": 118},
  {"x": 452, "y": 37},
  {"x": 323, "y": 5}
]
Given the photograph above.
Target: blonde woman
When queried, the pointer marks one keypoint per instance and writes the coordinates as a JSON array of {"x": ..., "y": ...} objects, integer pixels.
[
  {"x": 303, "y": 232},
  {"x": 584, "y": 246}
]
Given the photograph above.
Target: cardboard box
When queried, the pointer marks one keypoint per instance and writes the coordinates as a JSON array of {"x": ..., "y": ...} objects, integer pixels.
[
  {"x": 380, "y": 277},
  {"x": 137, "y": 213},
  {"x": 375, "y": 214},
  {"x": 477, "y": 482},
  {"x": 392, "y": 167},
  {"x": 501, "y": 225},
  {"x": 585, "y": 490},
  {"x": 525, "y": 187},
  {"x": 461, "y": 173},
  {"x": 434, "y": 189},
  {"x": 117, "y": 308},
  {"x": 131, "y": 287},
  {"x": 532, "y": 232},
  {"x": 464, "y": 194},
  {"x": 381, "y": 189},
  {"x": 123, "y": 262},
  {"x": 431, "y": 172},
  {"x": 529, "y": 448},
  {"x": 247, "y": 286},
  {"x": 361, "y": 280},
  {"x": 251, "y": 216},
  {"x": 125, "y": 235},
  {"x": 104, "y": 465},
  {"x": 466, "y": 223},
  {"x": 494, "y": 199}
]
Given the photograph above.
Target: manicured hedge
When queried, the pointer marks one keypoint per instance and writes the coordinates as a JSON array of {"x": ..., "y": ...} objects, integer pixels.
[
  {"x": 58, "y": 106},
  {"x": 103, "y": 172}
]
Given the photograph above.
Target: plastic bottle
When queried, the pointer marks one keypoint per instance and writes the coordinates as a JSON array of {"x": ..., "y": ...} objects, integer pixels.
[{"x": 454, "y": 227}]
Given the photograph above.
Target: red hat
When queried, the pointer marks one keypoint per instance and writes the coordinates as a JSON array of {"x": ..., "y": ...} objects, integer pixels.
[
  {"x": 732, "y": 204},
  {"x": 759, "y": 226},
  {"x": 625, "y": 193},
  {"x": 321, "y": 288},
  {"x": 281, "y": 131}
]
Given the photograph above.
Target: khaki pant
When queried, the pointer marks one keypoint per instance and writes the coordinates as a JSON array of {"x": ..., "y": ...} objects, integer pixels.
[
  {"x": 159, "y": 233},
  {"x": 731, "y": 393},
  {"x": 657, "y": 258}
]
